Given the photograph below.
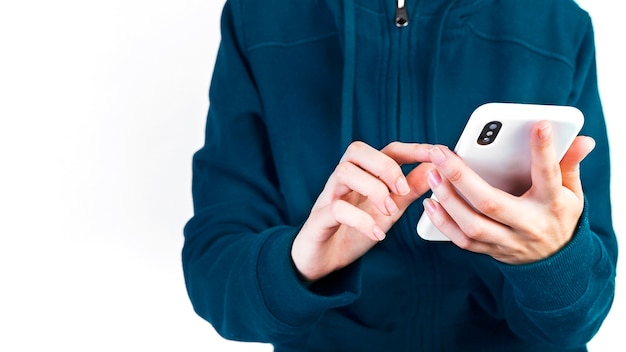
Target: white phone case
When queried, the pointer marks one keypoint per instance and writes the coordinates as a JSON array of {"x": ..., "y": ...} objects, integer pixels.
[{"x": 504, "y": 160}]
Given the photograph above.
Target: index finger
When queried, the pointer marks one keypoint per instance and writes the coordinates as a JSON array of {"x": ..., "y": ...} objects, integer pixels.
[
  {"x": 385, "y": 164},
  {"x": 486, "y": 199}
]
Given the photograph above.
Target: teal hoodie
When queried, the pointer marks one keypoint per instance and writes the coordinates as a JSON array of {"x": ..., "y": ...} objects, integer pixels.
[{"x": 295, "y": 82}]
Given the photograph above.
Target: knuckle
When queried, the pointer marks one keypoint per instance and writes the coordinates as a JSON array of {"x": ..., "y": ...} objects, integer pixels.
[
  {"x": 443, "y": 195},
  {"x": 456, "y": 175},
  {"x": 473, "y": 231},
  {"x": 438, "y": 221},
  {"x": 343, "y": 168},
  {"x": 555, "y": 206},
  {"x": 355, "y": 148},
  {"x": 488, "y": 206},
  {"x": 336, "y": 209},
  {"x": 392, "y": 146},
  {"x": 388, "y": 165},
  {"x": 554, "y": 170},
  {"x": 551, "y": 171},
  {"x": 464, "y": 243}
]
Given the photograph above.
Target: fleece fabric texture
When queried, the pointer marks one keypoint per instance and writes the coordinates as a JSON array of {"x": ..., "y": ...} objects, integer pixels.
[{"x": 295, "y": 82}]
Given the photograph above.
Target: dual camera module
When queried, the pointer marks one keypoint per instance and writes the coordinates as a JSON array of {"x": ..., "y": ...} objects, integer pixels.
[{"x": 489, "y": 133}]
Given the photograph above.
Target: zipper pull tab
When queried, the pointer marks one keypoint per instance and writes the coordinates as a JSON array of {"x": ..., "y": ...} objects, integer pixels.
[{"x": 402, "y": 15}]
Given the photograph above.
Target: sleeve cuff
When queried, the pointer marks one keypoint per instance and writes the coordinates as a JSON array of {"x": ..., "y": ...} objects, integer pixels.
[
  {"x": 558, "y": 281},
  {"x": 290, "y": 300}
]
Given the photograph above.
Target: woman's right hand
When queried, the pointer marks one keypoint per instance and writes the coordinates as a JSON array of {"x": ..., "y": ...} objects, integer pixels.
[{"x": 365, "y": 195}]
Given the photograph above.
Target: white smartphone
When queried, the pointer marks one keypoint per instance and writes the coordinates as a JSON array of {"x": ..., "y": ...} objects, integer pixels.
[{"x": 496, "y": 145}]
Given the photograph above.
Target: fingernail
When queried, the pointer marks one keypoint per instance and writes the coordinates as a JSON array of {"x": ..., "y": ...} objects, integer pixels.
[
  {"x": 437, "y": 156},
  {"x": 545, "y": 132},
  {"x": 379, "y": 233},
  {"x": 391, "y": 206},
  {"x": 434, "y": 179},
  {"x": 429, "y": 206},
  {"x": 402, "y": 186}
]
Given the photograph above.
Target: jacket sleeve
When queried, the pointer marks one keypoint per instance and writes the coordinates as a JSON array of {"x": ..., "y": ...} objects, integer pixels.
[
  {"x": 564, "y": 299},
  {"x": 236, "y": 255}
]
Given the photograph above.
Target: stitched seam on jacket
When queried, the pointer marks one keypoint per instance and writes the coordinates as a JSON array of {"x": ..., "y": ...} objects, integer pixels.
[
  {"x": 514, "y": 40},
  {"x": 292, "y": 43}
]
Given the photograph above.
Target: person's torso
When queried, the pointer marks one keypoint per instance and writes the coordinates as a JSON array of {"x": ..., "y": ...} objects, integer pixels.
[{"x": 417, "y": 83}]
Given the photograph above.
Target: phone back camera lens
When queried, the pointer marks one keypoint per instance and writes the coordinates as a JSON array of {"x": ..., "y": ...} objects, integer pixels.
[{"x": 489, "y": 133}]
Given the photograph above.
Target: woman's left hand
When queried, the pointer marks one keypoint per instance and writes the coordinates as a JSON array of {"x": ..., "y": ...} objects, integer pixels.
[{"x": 513, "y": 230}]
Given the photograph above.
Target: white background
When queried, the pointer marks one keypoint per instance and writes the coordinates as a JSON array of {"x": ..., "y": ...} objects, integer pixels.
[{"x": 102, "y": 104}]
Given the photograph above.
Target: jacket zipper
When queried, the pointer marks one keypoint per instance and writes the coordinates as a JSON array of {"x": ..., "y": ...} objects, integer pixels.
[
  {"x": 401, "y": 20},
  {"x": 402, "y": 15}
]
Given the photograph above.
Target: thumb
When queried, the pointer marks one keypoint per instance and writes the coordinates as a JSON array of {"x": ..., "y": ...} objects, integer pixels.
[{"x": 570, "y": 164}]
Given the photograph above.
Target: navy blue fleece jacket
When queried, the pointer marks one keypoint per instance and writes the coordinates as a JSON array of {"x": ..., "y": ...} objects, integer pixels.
[{"x": 295, "y": 82}]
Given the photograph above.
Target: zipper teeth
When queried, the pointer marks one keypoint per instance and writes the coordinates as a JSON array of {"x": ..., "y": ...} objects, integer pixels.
[{"x": 402, "y": 14}]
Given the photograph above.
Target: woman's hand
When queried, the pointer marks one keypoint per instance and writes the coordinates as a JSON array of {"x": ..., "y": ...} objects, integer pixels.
[
  {"x": 511, "y": 229},
  {"x": 365, "y": 195}
]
